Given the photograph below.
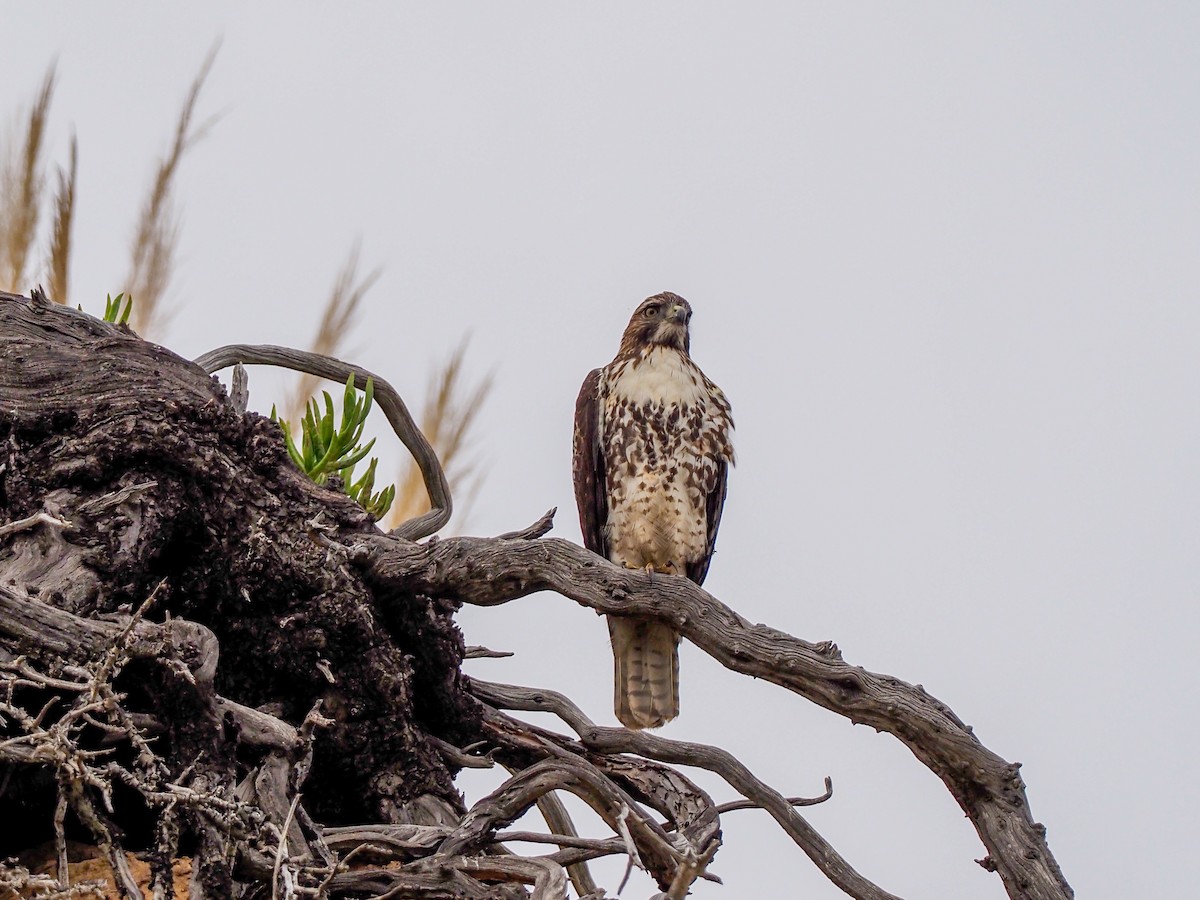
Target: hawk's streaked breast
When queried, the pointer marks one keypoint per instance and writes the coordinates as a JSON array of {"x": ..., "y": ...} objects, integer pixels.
[{"x": 665, "y": 429}]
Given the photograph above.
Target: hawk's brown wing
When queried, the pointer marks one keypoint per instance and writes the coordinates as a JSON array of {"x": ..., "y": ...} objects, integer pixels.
[
  {"x": 713, "y": 508},
  {"x": 591, "y": 491}
]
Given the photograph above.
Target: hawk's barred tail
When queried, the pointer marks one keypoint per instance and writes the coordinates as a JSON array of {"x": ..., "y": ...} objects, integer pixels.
[{"x": 646, "y": 674}]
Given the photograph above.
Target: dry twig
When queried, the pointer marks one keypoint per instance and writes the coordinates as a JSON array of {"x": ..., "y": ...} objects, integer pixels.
[{"x": 487, "y": 572}]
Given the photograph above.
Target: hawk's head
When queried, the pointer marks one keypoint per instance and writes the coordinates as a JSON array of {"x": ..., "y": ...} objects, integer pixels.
[{"x": 661, "y": 320}]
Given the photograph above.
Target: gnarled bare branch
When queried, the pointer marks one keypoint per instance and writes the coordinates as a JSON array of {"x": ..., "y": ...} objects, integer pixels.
[
  {"x": 621, "y": 740},
  {"x": 389, "y": 401},
  {"x": 990, "y": 791}
]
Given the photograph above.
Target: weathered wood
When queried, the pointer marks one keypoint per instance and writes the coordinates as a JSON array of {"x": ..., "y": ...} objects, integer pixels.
[
  {"x": 125, "y": 473},
  {"x": 123, "y": 466},
  {"x": 386, "y": 396},
  {"x": 990, "y": 791},
  {"x": 160, "y": 477},
  {"x": 697, "y": 821}
]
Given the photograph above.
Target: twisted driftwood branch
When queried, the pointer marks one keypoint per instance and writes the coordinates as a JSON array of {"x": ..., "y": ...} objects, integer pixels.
[
  {"x": 990, "y": 791},
  {"x": 559, "y": 821},
  {"x": 267, "y": 800},
  {"x": 620, "y": 740},
  {"x": 385, "y": 395}
]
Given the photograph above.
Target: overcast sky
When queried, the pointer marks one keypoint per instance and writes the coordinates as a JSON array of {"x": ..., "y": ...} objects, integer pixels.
[{"x": 943, "y": 261}]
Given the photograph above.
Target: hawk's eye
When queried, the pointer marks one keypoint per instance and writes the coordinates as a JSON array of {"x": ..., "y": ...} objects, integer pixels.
[{"x": 650, "y": 312}]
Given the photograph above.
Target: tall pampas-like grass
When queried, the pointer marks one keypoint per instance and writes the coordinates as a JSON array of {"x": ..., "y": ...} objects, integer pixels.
[
  {"x": 22, "y": 183},
  {"x": 157, "y": 235},
  {"x": 452, "y": 406},
  {"x": 450, "y": 413},
  {"x": 22, "y": 194},
  {"x": 341, "y": 309},
  {"x": 59, "y": 264}
]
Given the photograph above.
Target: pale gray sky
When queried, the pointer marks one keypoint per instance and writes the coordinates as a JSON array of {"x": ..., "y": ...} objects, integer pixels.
[{"x": 943, "y": 260}]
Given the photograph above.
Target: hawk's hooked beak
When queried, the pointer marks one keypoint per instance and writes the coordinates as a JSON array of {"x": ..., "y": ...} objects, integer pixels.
[{"x": 678, "y": 313}]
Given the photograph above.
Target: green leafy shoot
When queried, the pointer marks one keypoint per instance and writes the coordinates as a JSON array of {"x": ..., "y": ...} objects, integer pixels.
[
  {"x": 329, "y": 445},
  {"x": 113, "y": 310},
  {"x": 361, "y": 491}
]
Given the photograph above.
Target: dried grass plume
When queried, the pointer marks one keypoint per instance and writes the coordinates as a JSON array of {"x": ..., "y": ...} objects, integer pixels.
[
  {"x": 58, "y": 266},
  {"x": 341, "y": 310},
  {"x": 450, "y": 413},
  {"x": 451, "y": 406},
  {"x": 22, "y": 183},
  {"x": 157, "y": 236}
]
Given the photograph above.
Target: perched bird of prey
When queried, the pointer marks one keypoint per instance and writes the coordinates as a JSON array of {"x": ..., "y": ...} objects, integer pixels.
[{"x": 651, "y": 454}]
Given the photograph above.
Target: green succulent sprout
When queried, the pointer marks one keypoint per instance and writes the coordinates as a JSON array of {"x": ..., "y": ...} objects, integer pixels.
[
  {"x": 114, "y": 312},
  {"x": 329, "y": 446},
  {"x": 361, "y": 491}
]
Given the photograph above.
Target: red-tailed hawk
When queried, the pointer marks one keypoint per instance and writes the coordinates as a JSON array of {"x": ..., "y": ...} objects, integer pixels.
[{"x": 652, "y": 452}]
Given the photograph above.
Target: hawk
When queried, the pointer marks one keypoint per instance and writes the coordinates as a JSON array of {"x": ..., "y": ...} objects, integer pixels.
[{"x": 651, "y": 455}]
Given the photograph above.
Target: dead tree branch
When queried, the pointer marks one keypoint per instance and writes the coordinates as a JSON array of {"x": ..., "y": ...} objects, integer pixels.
[
  {"x": 487, "y": 572},
  {"x": 610, "y": 741},
  {"x": 389, "y": 401}
]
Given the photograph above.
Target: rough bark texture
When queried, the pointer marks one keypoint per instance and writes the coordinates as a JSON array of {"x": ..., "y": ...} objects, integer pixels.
[
  {"x": 160, "y": 479},
  {"x": 192, "y": 633},
  {"x": 208, "y": 500}
]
